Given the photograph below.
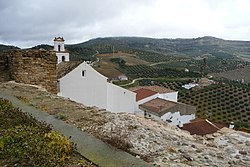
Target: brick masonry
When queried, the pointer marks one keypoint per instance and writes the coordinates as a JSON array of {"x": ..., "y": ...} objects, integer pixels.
[{"x": 36, "y": 67}]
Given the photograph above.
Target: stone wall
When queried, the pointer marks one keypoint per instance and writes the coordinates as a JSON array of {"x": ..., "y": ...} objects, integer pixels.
[{"x": 36, "y": 67}]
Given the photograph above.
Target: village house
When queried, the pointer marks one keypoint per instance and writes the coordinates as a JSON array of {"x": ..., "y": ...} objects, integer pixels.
[
  {"x": 122, "y": 78},
  {"x": 172, "y": 112},
  {"x": 190, "y": 85},
  {"x": 161, "y": 103}
]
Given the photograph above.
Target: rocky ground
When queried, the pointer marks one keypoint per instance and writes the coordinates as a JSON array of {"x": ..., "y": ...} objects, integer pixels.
[{"x": 155, "y": 142}]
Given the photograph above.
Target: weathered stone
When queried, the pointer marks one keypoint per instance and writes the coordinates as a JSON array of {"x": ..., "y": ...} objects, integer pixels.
[
  {"x": 237, "y": 157},
  {"x": 211, "y": 145},
  {"x": 188, "y": 157},
  {"x": 182, "y": 151},
  {"x": 199, "y": 150},
  {"x": 210, "y": 137},
  {"x": 34, "y": 67},
  {"x": 184, "y": 144},
  {"x": 243, "y": 152}
]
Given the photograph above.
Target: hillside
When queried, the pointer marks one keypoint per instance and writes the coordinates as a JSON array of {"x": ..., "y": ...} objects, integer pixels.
[
  {"x": 183, "y": 47},
  {"x": 203, "y": 55},
  {"x": 221, "y": 103},
  {"x": 7, "y": 47},
  {"x": 155, "y": 142},
  {"x": 190, "y": 47}
]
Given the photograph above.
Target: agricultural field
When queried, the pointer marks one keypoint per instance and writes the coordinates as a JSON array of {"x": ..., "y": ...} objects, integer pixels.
[
  {"x": 156, "y": 57},
  {"x": 213, "y": 65},
  {"x": 221, "y": 103},
  {"x": 130, "y": 59},
  {"x": 145, "y": 71},
  {"x": 175, "y": 84},
  {"x": 27, "y": 142},
  {"x": 108, "y": 71},
  {"x": 244, "y": 57},
  {"x": 242, "y": 74},
  {"x": 106, "y": 66}
]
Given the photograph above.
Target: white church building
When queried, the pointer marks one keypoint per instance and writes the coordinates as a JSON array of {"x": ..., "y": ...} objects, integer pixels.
[
  {"x": 85, "y": 85},
  {"x": 61, "y": 53}
]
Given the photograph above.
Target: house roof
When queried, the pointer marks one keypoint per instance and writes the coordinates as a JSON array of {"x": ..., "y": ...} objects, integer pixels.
[
  {"x": 59, "y": 39},
  {"x": 65, "y": 67},
  {"x": 202, "y": 127},
  {"x": 155, "y": 88},
  {"x": 143, "y": 93},
  {"x": 158, "y": 106}
]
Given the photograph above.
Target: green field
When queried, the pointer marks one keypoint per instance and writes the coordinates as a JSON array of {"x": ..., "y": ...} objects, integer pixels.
[
  {"x": 222, "y": 103},
  {"x": 244, "y": 55}
]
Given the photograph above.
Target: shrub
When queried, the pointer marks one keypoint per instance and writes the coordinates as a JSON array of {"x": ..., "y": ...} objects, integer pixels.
[{"x": 27, "y": 142}]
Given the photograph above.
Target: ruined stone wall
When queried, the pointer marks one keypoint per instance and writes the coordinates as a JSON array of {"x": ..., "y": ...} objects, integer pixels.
[{"x": 34, "y": 67}]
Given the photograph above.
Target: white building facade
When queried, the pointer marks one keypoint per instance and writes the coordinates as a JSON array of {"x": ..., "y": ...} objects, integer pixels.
[{"x": 85, "y": 85}]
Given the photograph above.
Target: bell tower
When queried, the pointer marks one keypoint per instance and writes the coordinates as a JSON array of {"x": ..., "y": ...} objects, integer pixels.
[{"x": 61, "y": 53}]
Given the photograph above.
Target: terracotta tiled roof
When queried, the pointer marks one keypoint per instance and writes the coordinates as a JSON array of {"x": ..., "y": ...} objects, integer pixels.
[
  {"x": 202, "y": 127},
  {"x": 143, "y": 93},
  {"x": 65, "y": 67},
  {"x": 158, "y": 106},
  {"x": 154, "y": 88}
]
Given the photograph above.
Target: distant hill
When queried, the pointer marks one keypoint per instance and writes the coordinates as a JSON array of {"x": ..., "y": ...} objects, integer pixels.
[
  {"x": 43, "y": 46},
  {"x": 193, "y": 47},
  {"x": 7, "y": 47},
  {"x": 188, "y": 47}
]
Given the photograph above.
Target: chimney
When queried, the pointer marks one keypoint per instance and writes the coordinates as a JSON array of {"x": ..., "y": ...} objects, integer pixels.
[
  {"x": 231, "y": 125},
  {"x": 180, "y": 124}
]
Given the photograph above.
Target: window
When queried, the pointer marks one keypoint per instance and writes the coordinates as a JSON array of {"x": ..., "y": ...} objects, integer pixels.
[
  {"x": 63, "y": 58},
  {"x": 83, "y": 73},
  {"x": 59, "y": 48}
]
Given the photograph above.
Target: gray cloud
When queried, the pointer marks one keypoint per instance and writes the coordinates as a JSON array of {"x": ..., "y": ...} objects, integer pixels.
[{"x": 28, "y": 22}]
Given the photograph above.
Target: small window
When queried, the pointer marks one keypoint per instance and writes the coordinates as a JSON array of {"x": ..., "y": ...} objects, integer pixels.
[
  {"x": 83, "y": 73},
  {"x": 59, "y": 48}
]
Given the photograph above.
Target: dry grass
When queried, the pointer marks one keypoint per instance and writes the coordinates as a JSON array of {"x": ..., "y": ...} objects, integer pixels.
[{"x": 110, "y": 69}]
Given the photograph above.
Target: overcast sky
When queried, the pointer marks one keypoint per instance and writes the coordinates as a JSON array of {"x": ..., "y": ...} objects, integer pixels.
[{"x": 31, "y": 22}]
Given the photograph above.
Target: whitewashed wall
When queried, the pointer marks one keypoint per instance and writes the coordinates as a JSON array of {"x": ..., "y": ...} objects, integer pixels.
[
  {"x": 169, "y": 96},
  {"x": 57, "y": 43},
  {"x": 90, "y": 90},
  {"x": 120, "y": 99},
  {"x": 60, "y": 55},
  {"x": 176, "y": 117}
]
